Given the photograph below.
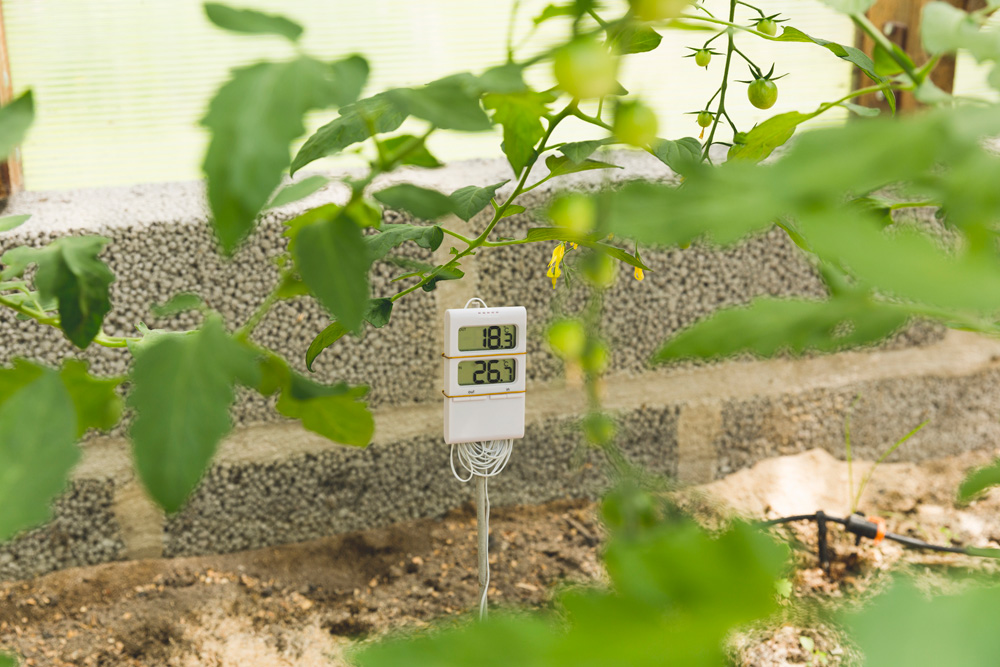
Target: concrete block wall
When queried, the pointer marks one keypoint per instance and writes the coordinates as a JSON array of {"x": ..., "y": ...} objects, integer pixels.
[{"x": 273, "y": 482}]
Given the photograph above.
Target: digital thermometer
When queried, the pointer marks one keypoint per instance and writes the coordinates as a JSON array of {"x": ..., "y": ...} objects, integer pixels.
[{"x": 484, "y": 369}]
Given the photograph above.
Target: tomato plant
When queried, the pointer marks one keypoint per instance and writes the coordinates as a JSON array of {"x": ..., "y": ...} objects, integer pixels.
[{"x": 823, "y": 193}]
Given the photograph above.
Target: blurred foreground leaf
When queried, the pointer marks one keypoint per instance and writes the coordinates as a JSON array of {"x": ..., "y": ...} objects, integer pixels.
[
  {"x": 904, "y": 626},
  {"x": 182, "y": 391},
  {"x": 675, "y": 594},
  {"x": 768, "y": 326},
  {"x": 253, "y": 119},
  {"x": 37, "y": 447},
  {"x": 252, "y": 22}
]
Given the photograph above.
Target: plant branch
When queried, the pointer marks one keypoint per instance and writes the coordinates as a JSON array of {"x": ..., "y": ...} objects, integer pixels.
[{"x": 862, "y": 22}]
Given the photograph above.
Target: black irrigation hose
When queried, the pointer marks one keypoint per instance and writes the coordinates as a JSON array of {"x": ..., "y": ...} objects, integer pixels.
[{"x": 862, "y": 527}]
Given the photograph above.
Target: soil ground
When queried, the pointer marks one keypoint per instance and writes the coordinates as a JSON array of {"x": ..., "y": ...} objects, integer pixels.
[{"x": 308, "y": 604}]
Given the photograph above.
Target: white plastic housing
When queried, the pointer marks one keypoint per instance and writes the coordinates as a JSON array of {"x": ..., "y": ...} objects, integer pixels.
[{"x": 478, "y": 412}]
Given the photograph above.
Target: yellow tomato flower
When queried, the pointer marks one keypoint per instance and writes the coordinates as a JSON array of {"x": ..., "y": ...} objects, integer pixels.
[
  {"x": 554, "y": 271},
  {"x": 638, "y": 274}
]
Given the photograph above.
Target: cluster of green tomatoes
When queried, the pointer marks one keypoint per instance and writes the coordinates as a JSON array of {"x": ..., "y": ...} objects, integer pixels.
[{"x": 586, "y": 70}]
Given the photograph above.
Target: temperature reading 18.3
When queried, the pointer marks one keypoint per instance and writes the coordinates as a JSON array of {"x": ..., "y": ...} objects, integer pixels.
[
  {"x": 487, "y": 371},
  {"x": 496, "y": 337}
]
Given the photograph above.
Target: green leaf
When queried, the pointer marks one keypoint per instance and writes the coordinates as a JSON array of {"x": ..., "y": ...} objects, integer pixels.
[
  {"x": 681, "y": 155},
  {"x": 876, "y": 207},
  {"x": 297, "y": 191},
  {"x": 472, "y": 199},
  {"x": 416, "y": 157},
  {"x": 578, "y": 151},
  {"x": 391, "y": 236},
  {"x": 327, "y": 337},
  {"x": 848, "y": 53},
  {"x": 38, "y": 450},
  {"x": 849, "y": 6},
  {"x": 181, "y": 393},
  {"x": 337, "y": 417},
  {"x": 450, "y": 273},
  {"x": 554, "y": 11},
  {"x": 324, "y": 212},
  {"x": 70, "y": 272},
  {"x": 634, "y": 38},
  {"x": 506, "y": 78},
  {"x": 905, "y": 626},
  {"x": 867, "y": 112},
  {"x": 560, "y": 165},
  {"x": 764, "y": 138},
  {"x": 513, "y": 209},
  {"x": 378, "y": 313},
  {"x": 421, "y": 202},
  {"x": 770, "y": 326},
  {"x": 10, "y": 222},
  {"x": 15, "y": 119},
  {"x": 520, "y": 114},
  {"x": 95, "y": 400},
  {"x": 333, "y": 411},
  {"x": 446, "y": 104},
  {"x": 662, "y": 215},
  {"x": 252, "y": 22},
  {"x": 356, "y": 123},
  {"x": 945, "y": 29},
  {"x": 332, "y": 258},
  {"x": 907, "y": 264},
  {"x": 253, "y": 119},
  {"x": 978, "y": 481},
  {"x": 178, "y": 303},
  {"x": 7, "y": 660}
]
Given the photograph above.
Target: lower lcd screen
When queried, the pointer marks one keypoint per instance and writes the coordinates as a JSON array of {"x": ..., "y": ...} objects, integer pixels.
[{"x": 487, "y": 371}]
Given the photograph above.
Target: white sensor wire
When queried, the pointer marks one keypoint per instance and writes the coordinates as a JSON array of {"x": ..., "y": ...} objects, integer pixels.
[{"x": 483, "y": 460}]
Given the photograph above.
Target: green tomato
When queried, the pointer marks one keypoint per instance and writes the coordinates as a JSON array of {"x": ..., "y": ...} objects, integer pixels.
[
  {"x": 702, "y": 57},
  {"x": 595, "y": 359},
  {"x": 599, "y": 429},
  {"x": 574, "y": 212},
  {"x": 768, "y": 27},
  {"x": 635, "y": 124},
  {"x": 763, "y": 93},
  {"x": 599, "y": 270},
  {"x": 705, "y": 119},
  {"x": 658, "y": 10},
  {"x": 585, "y": 69},
  {"x": 567, "y": 338}
]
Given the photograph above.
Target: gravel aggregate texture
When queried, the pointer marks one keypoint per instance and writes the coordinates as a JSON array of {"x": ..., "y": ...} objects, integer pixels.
[
  {"x": 250, "y": 505},
  {"x": 962, "y": 413},
  {"x": 82, "y": 531}
]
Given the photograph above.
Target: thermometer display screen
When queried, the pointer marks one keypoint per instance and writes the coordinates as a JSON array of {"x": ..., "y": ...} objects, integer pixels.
[
  {"x": 496, "y": 337},
  {"x": 487, "y": 371}
]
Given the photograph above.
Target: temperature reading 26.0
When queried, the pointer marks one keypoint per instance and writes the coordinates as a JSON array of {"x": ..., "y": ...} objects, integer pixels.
[
  {"x": 487, "y": 371},
  {"x": 496, "y": 337}
]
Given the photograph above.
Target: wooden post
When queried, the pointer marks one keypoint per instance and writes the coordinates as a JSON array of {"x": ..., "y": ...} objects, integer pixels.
[
  {"x": 11, "y": 176},
  {"x": 900, "y": 21}
]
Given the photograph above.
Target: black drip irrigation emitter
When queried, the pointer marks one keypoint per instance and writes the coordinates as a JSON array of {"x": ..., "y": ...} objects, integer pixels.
[{"x": 873, "y": 529}]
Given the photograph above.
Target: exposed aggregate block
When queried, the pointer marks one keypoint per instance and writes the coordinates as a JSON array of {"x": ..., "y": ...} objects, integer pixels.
[
  {"x": 83, "y": 531},
  {"x": 250, "y": 505},
  {"x": 962, "y": 412}
]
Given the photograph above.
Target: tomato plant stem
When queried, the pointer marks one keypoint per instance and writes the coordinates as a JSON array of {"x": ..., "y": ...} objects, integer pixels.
[{"x": 730, "y": 47}]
